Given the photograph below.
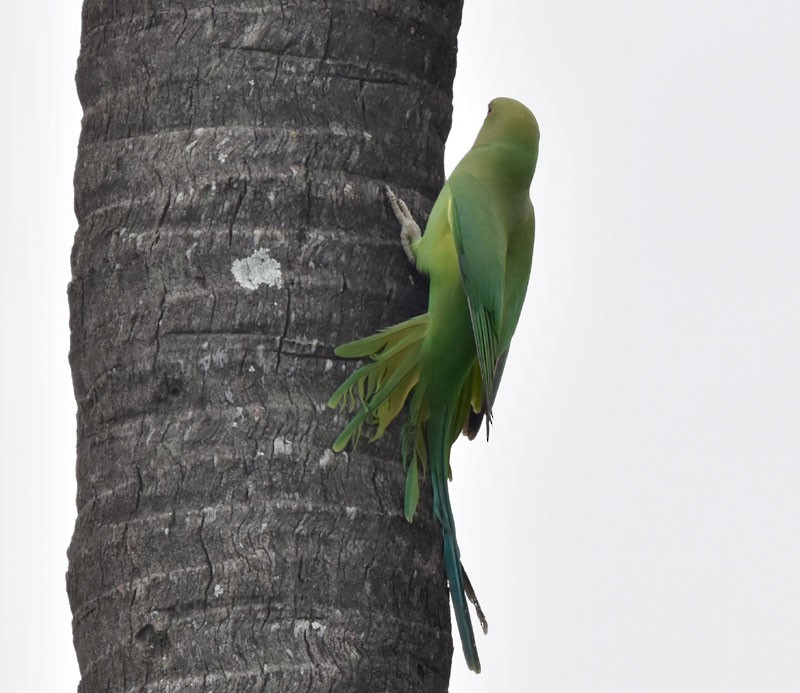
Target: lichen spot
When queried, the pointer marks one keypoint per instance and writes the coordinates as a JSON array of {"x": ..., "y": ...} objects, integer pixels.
[
  {"x": 251, "y": 272},
  {"x": 282, "y": 446},
  {"x": 327, "y": 458}
]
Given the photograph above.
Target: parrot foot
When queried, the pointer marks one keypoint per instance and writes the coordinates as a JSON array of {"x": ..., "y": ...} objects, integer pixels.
[{"x": 409, "y": 229}]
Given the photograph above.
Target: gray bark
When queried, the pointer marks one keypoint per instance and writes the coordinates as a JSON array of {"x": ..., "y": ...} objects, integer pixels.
[{"x": 220, "y": 544}]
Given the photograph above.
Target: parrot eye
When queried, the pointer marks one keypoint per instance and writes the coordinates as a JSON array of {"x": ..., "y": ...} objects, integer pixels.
[{"x": 490, "y": 109}]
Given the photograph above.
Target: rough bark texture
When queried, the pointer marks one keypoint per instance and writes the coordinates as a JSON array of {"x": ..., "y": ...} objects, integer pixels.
[{"x": 220, "y": 544}]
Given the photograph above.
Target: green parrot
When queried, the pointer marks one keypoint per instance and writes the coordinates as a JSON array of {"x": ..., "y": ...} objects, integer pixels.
[{"x": 477, "y": 251}]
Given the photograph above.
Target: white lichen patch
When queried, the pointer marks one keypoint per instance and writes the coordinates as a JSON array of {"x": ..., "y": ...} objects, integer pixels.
[
  {"x": 303, "y": 627},
  {"x": 218, "y": 590},
  {"x": 327, "y": 458},
  {"x": 282, "y": 446},
  {"x": 251, "y": 272},
  {"x": 351, "y": 512},
  {"x": 220, "y": 357}
]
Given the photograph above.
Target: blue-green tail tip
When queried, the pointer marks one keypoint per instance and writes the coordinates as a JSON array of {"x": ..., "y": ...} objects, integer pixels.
[{"x": 455, "y": 578}]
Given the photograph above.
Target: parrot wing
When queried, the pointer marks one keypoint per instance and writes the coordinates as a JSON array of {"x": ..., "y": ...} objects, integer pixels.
[
  {"x": 480, "y": 243},
  {"x": 475, "y": 417}
]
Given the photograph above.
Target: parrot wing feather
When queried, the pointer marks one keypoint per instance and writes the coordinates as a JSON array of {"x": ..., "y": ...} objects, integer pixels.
[{"x": 481, "y": 246}]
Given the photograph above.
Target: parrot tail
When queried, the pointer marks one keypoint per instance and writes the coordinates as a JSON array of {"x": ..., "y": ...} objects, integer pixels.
[
  {"x": 378, "y": 390},
  {"x": 439, "y": 440}
]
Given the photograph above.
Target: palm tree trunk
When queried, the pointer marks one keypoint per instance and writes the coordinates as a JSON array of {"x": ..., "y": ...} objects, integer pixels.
[{"x": 232, "y": 230}]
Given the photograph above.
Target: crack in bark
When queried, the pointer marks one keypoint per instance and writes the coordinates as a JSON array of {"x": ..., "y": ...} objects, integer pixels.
[
  {"x": 237, "y": 207},
  {"x": 279, "y": 350},
  {"x": 161, "y": 308},
  {"x": 209, "y": 564}
]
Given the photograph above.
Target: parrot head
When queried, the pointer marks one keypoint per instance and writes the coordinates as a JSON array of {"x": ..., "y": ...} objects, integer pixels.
[{"x": 508, "y": 120}]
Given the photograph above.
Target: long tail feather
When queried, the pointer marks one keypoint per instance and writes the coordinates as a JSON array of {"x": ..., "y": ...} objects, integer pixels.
[{"x": 439, "y": 435}]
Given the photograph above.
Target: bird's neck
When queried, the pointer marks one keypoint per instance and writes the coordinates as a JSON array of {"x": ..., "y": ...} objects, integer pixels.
[{"x": 512, "y": 163}]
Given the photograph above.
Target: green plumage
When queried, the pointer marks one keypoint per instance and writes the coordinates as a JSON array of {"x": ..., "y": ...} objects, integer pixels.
[{"x": 477, "y": 251}]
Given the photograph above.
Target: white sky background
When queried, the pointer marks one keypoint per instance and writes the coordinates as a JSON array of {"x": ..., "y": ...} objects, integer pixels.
[{"x": 633, "y": 524}]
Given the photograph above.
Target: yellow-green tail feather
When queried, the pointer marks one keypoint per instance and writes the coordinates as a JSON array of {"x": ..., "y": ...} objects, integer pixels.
[{"x": 377, "y": 391}]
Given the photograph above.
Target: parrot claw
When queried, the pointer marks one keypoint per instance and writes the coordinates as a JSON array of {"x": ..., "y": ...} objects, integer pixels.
[{"x": 409, "y": 229}]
